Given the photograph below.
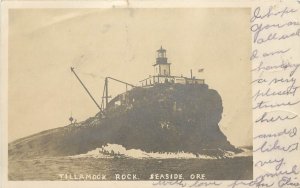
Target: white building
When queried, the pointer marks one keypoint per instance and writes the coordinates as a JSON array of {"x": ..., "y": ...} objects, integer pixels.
[{"x": 162, "y": 73}]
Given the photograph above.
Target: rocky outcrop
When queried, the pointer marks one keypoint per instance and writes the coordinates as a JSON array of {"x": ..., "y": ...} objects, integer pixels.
[{"x": 163, "y": 118}]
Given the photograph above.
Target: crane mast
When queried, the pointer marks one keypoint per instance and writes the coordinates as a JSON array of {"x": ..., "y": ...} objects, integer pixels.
[{"x": 105, "y": 91}]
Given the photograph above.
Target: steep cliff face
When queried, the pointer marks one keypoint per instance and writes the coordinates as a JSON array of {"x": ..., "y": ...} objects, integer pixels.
[{"x": 163, "y": 118}]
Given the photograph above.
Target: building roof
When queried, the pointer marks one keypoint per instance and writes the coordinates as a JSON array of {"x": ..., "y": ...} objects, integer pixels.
[{"x": 161, "y": 49}]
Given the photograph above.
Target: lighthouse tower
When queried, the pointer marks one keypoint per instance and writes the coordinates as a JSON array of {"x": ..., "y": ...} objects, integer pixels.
[{"x": 161, "y": 66}]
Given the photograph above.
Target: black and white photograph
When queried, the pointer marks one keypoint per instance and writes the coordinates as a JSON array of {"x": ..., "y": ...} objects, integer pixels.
[{"x": 109, "y": 94}]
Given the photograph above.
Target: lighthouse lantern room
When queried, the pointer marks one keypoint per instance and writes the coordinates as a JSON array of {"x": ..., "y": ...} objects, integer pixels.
[{"x": 161, "y": 66}]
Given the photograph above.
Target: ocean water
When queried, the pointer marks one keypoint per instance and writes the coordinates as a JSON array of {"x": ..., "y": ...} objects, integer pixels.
[{"x": 67, "y": 168}]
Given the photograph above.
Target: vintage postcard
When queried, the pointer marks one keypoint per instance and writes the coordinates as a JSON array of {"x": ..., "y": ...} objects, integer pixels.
[{"x": 165, "y": 94}]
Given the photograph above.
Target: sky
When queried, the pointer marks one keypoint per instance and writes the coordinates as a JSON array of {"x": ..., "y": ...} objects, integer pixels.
[{"x": 122, "y": 43}]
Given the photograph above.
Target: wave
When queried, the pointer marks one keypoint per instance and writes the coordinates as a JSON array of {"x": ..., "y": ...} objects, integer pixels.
[{"x": 118, "y": 151}]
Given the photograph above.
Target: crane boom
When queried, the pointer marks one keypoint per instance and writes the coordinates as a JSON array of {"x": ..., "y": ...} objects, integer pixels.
[{"x": 72, "y": 69}]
